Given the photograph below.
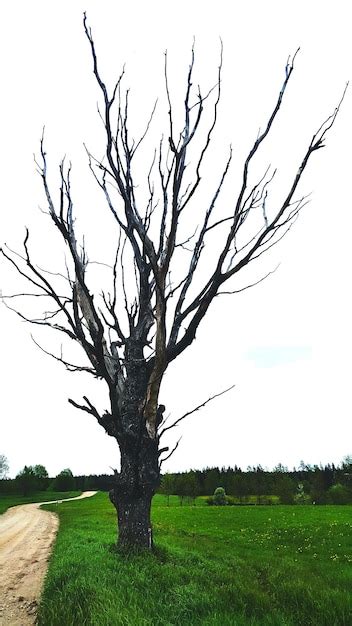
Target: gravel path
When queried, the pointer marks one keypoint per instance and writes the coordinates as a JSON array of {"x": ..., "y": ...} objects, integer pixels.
[{"x": 27, "y": 534}]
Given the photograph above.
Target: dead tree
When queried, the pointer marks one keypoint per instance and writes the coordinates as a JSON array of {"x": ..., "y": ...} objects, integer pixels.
[{"x": 129, "y": 341}]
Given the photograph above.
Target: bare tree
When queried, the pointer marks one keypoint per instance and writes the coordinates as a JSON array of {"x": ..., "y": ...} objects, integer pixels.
[
  {"x": 4, "y": 466},
  {"x": 132, "y": 333}
]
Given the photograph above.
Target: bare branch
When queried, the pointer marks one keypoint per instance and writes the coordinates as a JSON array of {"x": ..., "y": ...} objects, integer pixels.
[
  {"x": 146, "y": 130},
  {"x": 200, "y": 406},
  {"x": 69, "y": 366},
  {"x": 257, "y": 282},
  {"x": 171, "y": 453},
  {"x": 106, "y": 420},
  {"x": 202, "y": 301}
]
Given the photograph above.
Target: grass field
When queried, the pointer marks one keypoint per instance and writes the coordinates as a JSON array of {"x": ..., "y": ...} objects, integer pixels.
[
  {"x": 40, "y": 496},
  {"x": 265, "y": 566}
]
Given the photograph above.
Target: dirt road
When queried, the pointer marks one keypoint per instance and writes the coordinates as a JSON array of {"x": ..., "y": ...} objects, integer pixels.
[{"x": 27, "y": 534}]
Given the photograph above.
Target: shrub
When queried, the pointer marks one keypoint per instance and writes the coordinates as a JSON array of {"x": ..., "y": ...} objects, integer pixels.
[
  {"x": 301, "y": 497},
  {"x": 219, "y": 496},
  {"x": 339, "y": 494},
  {"x": 231, "y": 501}
]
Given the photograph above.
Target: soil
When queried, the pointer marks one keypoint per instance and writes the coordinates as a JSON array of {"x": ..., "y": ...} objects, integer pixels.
[{"x": 27, "y": 535}]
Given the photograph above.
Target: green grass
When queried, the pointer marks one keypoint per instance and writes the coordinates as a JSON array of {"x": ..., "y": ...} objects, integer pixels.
[
  {"x": 214, "y": 566},
  {"x": 162, "y": 500},
  {"x": 40, "y": 496}
]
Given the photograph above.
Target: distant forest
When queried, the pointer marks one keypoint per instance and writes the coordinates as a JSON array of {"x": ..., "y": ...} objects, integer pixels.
[{"x": 328, "y": 484}]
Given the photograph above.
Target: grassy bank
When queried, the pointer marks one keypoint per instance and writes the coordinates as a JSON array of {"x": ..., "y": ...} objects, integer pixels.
[
  {"x": 267, "y": 566},
  {"x": 40, "y": 496}
]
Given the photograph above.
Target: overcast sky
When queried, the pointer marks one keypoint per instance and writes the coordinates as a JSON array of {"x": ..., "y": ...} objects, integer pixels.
[{"x": 285, "y": 344}]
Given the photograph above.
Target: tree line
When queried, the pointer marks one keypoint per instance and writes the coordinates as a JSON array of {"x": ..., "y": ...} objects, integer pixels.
[
  {"x": 328, "y": 484},
  {"x": 34, "y": 478}
]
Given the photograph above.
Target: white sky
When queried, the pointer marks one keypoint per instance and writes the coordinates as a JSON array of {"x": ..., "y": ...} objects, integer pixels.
[{"x": 286, "y": 343}]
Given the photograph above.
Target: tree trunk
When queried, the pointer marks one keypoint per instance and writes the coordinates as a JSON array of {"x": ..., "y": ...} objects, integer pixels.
[
  {"x": 132, "y": 494},
  {"x": 134, "y": 525}
]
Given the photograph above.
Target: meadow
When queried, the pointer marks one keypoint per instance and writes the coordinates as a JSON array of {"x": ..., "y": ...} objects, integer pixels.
[
  {"x": 6, "y": 501},
  {"x": 213, "y": 566}
]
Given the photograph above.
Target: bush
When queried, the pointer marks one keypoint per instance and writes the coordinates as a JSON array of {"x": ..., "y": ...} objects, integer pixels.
[
  {"x": 219, "y": 496},
  {"x": 301, "y": 497},
  {"x": 339, "y": 494}
]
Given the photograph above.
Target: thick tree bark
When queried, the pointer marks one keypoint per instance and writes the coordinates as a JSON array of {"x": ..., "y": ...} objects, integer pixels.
[
  {"x": 134, "y": 524},
  {"x": 135, "y": 486}
]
